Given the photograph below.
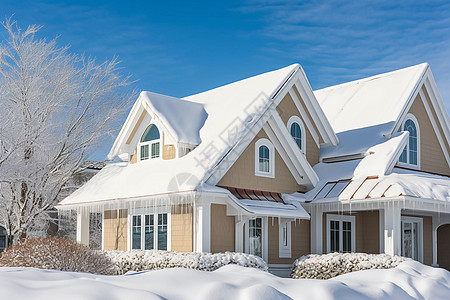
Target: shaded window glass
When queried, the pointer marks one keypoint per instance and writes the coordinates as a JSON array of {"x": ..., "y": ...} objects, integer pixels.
[
  {"x": 149, "y": 232},
  {"x": 255, "y": 236},
  {"x": 296, "y": 133},
  {"x": 162, "y": 231},
  {"x": 150, "y": 134},
  {"x": 264, "y": 159},
  {"x": 136, "y": 236}
]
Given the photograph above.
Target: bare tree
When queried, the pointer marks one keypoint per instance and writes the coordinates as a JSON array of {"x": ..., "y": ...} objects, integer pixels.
[{"x": 55, "y": 109}]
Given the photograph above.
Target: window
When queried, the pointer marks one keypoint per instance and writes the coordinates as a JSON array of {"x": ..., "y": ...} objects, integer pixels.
[
  {"x": 410, "y": 154},
  {"x": 412, "y": 237},
  {"x": 284, "y": 239},
  {"x": 149, "y": 145},
  {"x": 297, "y": 130},
  {"x": 3, "y": 239},
  {"x": 143, "y": 232},
  {"x": 341, "y": 233},
  {"x": 255, "y": 236},
  {"x": 264, "y": 158}
]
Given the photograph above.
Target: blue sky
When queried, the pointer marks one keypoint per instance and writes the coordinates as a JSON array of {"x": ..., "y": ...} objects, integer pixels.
[{"x": 180, "y": 48}]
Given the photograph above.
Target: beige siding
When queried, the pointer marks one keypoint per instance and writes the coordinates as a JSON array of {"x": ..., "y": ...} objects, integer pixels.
[
  {"x": 432, "y": 158},
  {"x": 433, "y": 112},
  {"x": 242, "y": 173},
  {"x": 309, "y": 115},
  {"x": 115, "y": 230},
  {"x": 300, "y": 241},
  {"x": 286, "y": 109},
  {"x": 133, "y": 159},
  {"x": 367, "y": 232},
  {"x": 182, "y": 228},
  {"x": 168, "y": 151},
  {"x": 443, "y": 245},
  {"x": 222, "y": 229}
]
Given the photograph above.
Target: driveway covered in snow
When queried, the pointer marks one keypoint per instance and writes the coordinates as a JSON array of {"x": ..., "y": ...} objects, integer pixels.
[{"x": 410, "y": 280}]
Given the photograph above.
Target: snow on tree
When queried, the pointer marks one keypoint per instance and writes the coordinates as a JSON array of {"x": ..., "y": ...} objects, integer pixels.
[{"x": 55, "y": 109}]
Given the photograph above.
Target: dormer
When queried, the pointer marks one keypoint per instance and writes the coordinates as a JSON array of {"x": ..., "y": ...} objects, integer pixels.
[{"x": 159, "y": 127}]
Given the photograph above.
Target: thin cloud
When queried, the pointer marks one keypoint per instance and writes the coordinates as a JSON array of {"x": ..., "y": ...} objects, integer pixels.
[{"x": 346, "y": 41}]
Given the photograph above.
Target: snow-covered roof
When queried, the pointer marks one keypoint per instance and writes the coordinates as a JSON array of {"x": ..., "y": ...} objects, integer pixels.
[
  {"x": 363, "y": 111},
  {"x": 232, "y": 111},
  {"x": 184, "y": 118}
]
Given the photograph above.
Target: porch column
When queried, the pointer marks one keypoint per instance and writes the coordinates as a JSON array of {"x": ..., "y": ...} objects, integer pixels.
[
  {"x": 316, "y": 230},
  {"x": 239, "y": 234},
  {"x": 203, "y": 227},
  {"x": 83, "y": 227},
  {"x": 392, "y": 230}
]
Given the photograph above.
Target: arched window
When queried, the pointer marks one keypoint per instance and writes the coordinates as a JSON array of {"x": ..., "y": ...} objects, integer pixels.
[
  {"x": 149, "y": 146},
  {"x": 264, "y": 158},
  {"x": 410, "y": 154},
  {"x": 297, "y": 130}
]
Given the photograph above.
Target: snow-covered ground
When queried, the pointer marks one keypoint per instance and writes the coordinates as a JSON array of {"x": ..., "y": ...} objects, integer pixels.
[{"x": 410, "y": 280}]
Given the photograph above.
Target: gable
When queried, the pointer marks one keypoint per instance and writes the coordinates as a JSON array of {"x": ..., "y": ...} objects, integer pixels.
[
  {"x": 242, "y": 172},
  {"x": 286, "y": 109},
  {"x": 432, "y": 157}
]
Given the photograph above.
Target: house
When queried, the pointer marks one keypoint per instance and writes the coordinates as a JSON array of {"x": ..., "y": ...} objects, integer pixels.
[{"x": 269, "y": 167}]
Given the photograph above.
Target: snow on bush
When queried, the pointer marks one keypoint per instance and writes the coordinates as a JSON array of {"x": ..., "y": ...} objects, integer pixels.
[
  {"x": 315, "y": 266},
  {"x": 140, "y": 260},
  {"x": 57, "y": 254}
]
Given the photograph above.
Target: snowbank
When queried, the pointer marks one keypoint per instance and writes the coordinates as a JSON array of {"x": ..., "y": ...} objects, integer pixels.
[
  {"x": 410, "y": 280},
  {"x": 141, "y": 260},
  {"x": 330, "y": 265}
]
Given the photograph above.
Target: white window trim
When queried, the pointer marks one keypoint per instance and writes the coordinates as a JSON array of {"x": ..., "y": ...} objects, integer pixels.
[
  {"x": 285, "y": 251},
  {"x": 155, "y": 237},
  {"x": 340, "y": 218},
  {"x": 411, "y": 117},
  {"x": 149, "y": 143},
  {"x": 296, "y": 119},
  {"x": 420, "y": 242},
  {"x": 265, "y": 239},
  {"x": 268, "y": 144}
]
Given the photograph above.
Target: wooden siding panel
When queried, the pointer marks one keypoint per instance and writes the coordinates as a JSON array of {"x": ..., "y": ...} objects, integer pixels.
[
  {"x": 222, "y": 229},
  {"x": 432, "y": 157},
  {"x": 300, "y": 241},
  {"x": 286, "y": 109},
  {"x": 115, "y": 230},
  {"x": 182, "y": 228},
  {"x": 242, "y": 173}
]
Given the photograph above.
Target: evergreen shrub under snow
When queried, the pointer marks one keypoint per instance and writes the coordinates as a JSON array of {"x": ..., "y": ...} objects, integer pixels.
[
  {"x": 315, "y": 266},
  {"x": 57, "y": 254},
  {"x": 140, "y": 260}
]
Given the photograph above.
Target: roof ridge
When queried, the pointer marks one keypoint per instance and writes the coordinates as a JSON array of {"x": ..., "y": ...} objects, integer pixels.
[{"x": 373, "y": 77}]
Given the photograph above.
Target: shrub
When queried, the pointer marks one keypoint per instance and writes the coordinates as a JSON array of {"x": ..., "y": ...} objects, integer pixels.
[
  {"x": 315, "y": 266},
  {"x": 56, "y": 254},
  {"x": 139, "y": 260}
]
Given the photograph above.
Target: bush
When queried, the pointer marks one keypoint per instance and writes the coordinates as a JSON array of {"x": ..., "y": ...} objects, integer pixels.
[
  {"x": 315, "y": 266},
  {"x": 140, "y": 260},
  {"x": 56, "y": 254}
]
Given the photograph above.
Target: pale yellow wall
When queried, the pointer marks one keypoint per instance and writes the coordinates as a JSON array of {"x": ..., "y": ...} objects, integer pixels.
[
  {"x": 286, "y": 109},
  {"x": 300, "y": 241},
  {"x": 242, "y": 173},
  {"x": 182, "y": 228},
  {"x": 115, "y": 230},
  {"x": 168, "y": 151},
  {"x": 432, "y": 158},
  {"x": 222, "y": 229}
]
